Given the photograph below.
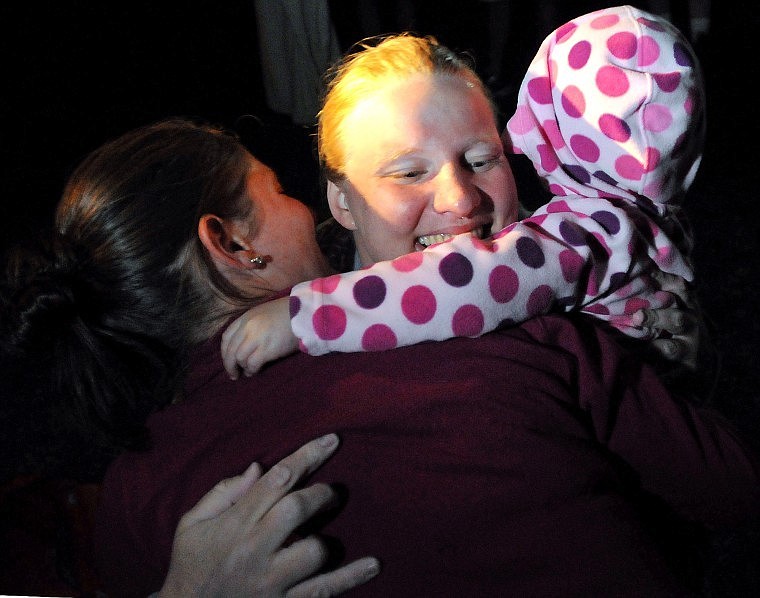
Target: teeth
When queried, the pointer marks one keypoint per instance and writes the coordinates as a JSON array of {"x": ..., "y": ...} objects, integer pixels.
[{"x": 428, "y": 240}]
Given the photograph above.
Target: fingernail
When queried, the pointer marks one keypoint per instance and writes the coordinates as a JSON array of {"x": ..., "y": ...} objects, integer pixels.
[
  {"x": 372, "y": 569},
  {"x": 328, "y": 441}
]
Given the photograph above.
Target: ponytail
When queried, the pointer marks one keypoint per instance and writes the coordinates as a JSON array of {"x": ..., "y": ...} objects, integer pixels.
[
  {"x": 96, "y": 324},
  {"x": 81, "y": 384}
]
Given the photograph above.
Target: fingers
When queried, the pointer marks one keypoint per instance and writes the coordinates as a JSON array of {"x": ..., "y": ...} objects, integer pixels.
[
  {"x": 231, "y": 542},
  {"x": 278, "y": 481},
  {"x": 221, "y": 497},
  {"x": 246, "y": 355},
  {"x": 683, "y": 350},
  {"x": 674, "y": 331},
  {"x": 251, "y": 362},
  {"x": 671, "y": 283},
  {"x": 229, "y": 333},
  {"x": 338, "y": 581},
  {"x": 230, "y": 342},
  {"x": 674, "y": 320},
  {"x": 292, "y": 511},
  {"x": 669, "y": 348},
  {"x": 298, "y": 561},
  {"x": 240, "y": 347}
]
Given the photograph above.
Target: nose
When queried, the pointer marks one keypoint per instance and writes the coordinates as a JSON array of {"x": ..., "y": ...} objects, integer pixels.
[{"x": 455, "y": 192}]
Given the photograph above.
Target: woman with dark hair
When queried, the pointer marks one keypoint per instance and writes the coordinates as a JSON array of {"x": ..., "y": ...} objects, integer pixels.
[{"x": 108, "y": 312}]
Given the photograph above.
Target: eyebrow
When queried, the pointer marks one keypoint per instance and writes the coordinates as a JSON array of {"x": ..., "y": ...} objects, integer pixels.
[
  {"x": 384, "y": 161},
  {"x": 404, "y": 153}
]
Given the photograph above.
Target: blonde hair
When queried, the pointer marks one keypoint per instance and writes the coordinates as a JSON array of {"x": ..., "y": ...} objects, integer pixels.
[{"x": 366, "y": 70}]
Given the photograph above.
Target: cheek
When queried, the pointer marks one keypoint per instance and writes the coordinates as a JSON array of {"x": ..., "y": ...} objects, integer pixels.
[
  {"x": 504, "y": 195},
  {"x": 398, "y": 212},
  {"x": 292, "y": 237}
]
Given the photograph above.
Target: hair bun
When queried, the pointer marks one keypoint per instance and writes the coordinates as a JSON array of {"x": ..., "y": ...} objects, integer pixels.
[{"x": 39, "y": 295}]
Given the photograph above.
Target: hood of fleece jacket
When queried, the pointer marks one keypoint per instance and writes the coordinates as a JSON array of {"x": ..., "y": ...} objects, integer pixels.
[{"x": 613, "y": 106}]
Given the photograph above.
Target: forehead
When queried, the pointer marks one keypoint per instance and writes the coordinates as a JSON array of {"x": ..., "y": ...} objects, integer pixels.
[
  {"x": 261, "y": 184},
  {"x": 414, "y": 111},
  {"x": 260, "y": 174}
]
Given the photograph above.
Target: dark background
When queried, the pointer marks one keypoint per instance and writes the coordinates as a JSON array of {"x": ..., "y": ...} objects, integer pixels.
[{"x": 76, "y": 73}]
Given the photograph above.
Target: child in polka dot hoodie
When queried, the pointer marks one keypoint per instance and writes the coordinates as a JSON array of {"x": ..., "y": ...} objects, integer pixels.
[{"x": 611, "y": 113}]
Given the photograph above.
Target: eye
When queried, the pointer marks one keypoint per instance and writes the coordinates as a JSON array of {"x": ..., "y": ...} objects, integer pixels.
[
  {"x": 407, "y": 175},
  {"x": 485, "y": 163}
]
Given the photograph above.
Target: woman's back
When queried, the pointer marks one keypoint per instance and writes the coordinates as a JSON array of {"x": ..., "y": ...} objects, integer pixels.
[{"x": 491, "y": 466}]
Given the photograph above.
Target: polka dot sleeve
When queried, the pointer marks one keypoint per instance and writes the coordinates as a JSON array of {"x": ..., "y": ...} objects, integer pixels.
[{"x": 588, "y": 254}]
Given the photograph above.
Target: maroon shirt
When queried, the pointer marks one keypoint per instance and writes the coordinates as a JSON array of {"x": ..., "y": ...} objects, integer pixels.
[{"x": 513, "y": 464}]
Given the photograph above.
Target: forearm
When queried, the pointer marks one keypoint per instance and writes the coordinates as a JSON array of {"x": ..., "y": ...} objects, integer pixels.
[{"x": 556, "y": 260}]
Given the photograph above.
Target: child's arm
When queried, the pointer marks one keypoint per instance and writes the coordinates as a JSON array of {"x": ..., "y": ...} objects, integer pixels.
[
  {"x": 260, "y": 335},
  {"x": 595, "y": 257}
]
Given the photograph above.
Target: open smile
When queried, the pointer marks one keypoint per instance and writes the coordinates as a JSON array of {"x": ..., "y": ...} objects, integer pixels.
[{"x": 427, "y": 240}]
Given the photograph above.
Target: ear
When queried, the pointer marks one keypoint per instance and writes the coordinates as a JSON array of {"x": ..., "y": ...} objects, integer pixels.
[
  {"x": 336, "y": 199},
  {"x": 223, "y": 241}
]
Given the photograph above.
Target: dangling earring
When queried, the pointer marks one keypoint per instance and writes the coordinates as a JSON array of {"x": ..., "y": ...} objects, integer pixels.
[{"x": 259, "y": 262}]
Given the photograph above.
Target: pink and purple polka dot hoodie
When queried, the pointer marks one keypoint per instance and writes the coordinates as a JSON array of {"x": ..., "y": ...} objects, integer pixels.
[{"x": 611, "y": 113}]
